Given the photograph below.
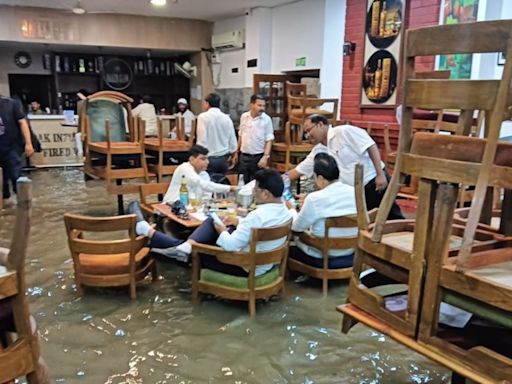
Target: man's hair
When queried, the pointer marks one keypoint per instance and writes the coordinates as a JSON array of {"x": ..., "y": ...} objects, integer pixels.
[
  {"x": 213, "y": 99},
  {"x": 146, "y": 99},
  {"x": 257, "y": 96},
  {"x": 315, "y": 119},
  {"x": 326, "y": 166},
  {"x": 270, "y": 180},
  {"x": 197, "y": 150}
]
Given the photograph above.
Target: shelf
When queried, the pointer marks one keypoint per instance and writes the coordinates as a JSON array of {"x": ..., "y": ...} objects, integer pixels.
[{"x": 77, "y": 73}]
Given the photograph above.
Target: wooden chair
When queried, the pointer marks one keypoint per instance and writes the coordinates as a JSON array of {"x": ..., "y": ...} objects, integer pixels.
[
  {"x": 162, "y": 148},
  {"x": 113, "y": 151},
  {"x": 325, "y": 244},
  {"x": 1, "y": 189},
  {"x": 285, "y": 156},
  {"x": 252, "y": 287},
  {"x": 21, "y": 357},
  {"x": 108, "y": 263},
  {"x": 146, "y": 190}
]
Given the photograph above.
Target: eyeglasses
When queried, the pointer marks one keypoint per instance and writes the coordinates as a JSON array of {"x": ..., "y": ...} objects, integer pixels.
[{"x": 309, "y": 129}]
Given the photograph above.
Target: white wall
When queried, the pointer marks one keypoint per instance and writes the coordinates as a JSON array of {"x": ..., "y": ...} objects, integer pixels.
[{"x": 298, "y": 31}]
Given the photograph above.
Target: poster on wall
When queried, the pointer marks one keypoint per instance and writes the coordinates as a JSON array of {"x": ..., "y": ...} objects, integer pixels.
[
  {"x": 383, "y": 36},
  {"x": 455, "y": 12}
]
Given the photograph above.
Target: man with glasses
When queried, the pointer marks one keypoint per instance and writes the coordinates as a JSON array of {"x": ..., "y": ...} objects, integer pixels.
[{"x": 349, "y": 145}]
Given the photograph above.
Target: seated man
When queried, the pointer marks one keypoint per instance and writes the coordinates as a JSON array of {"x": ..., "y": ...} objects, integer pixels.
[
  {"x": 332, "y": 199},
  {"x": 270, "y": 212},
  {"x": 198, "y": 180}
]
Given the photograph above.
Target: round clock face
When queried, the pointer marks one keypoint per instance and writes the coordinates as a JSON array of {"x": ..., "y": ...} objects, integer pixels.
[{"x": 22, "y": 59}]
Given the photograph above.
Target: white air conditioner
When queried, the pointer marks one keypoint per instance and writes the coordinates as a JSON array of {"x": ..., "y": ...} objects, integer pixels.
[{"x": 229, "y": 40}]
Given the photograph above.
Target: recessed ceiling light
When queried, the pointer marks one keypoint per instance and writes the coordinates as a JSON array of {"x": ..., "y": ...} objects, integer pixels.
[{"x": 159, "y": 3}]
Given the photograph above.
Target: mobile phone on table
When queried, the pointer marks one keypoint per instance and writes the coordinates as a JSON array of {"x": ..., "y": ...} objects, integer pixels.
[{"x": 216, "y": 218}]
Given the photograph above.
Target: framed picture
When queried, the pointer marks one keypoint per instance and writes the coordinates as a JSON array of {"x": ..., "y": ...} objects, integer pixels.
[
  {"x": 383, "y": 37},
  {"x": 455, "y": 12},
  {"x": 501, "y": 58}
]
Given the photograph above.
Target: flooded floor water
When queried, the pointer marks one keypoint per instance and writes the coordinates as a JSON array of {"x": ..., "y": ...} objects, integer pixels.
[{"x": 160, "y": 337}]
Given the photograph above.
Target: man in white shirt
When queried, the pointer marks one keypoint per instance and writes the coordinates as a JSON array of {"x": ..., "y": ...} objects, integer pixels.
[
  {"x": 146, "y": 111},
  {"x": 270, "y": 212},
  {"x": 187, "y": 115},
  {"x": 198, "y": 180},
  {"x": 255, "y": 137},
  {"x": 332, "y": 199},
  {"x": 216, "y": 132},
  {"x": 349, "y": 145}
]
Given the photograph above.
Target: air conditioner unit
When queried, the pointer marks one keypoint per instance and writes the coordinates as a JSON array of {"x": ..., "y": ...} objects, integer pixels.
[{"x": 229, "y": 40}]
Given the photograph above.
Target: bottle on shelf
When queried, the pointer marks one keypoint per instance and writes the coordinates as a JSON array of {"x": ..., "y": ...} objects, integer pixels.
[
  {"x": 378, "y": 79},
  {"x": 184, "y": 191},
  {"x": 57, "y": 63},
  {"x": 66, "y": 63},
  {"x": 90, "y": 65},
  {"x": 81, "y": 65},
  {"x": 382, "y": 20}
]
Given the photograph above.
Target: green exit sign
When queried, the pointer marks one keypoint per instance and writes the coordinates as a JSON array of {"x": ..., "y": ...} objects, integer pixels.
[{"x": 300, "y": 62}]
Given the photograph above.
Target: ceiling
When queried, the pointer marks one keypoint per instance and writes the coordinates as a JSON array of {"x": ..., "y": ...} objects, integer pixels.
[{"x": 211, "y": 10}]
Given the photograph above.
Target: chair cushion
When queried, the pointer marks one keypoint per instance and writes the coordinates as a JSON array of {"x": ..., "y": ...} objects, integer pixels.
[
  {"x": 310, "y": 111},
  {"x": 113, "y": 264},
  {"x": 210, "y": 276},
  {"x": 101, "y": 110}
]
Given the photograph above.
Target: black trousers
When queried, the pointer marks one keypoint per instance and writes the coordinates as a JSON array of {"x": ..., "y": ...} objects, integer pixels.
[
  {"x": 218, "y": 168},
  {"x": 10, "y": 162},
  {"x": 373, "y": 199},
  {"x": 248, "y": 165}
]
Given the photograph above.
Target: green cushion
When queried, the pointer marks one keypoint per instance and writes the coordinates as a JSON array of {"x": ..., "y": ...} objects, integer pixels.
[
  {"x": 210, "y": 276},
  {"x": 101, "y": 110},
  {"x": 480, "y": 309}
]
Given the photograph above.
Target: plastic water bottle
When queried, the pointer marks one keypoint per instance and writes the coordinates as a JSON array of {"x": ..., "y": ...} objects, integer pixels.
[
  {"x": 287, "y": 192},
  {"x": 241, "y": 182}
]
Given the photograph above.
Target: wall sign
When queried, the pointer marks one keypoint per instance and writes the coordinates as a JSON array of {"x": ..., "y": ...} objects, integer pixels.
[
  {"x": 383, "y": 37},
  {"x": 117, "y": 74}
]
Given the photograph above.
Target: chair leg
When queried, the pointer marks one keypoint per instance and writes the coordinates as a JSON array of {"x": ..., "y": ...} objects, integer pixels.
[
  {"x": 325, "y": 285},
  {"x": 154, "y": 272},
  {"x": 133, "y": 292},
  {"x": 252, "y": 306}
]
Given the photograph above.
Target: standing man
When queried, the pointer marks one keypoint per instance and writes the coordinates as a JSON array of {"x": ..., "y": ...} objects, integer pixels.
[
  {"x": 187, "y": 114},
  {"x": 215, "y": 131},
  {"x": 349, "y": 145},
  {"x": 147, "y": 112},
  {"x": 255, "y": 138},
  {"x": 14, "y": 138}
]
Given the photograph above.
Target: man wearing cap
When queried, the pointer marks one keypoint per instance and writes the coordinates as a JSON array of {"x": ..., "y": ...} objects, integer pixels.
[
  {"x": 254, "y": 138},
  {"x": 187, "y": 114},
  {"x": 215, "y": 131}
]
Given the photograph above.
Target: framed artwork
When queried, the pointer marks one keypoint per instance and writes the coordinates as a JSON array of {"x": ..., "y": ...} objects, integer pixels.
[
  {"x": 383, "y": 37},
  {"x": 501, "y": 58},
  {"x": 455, "y": 12}
]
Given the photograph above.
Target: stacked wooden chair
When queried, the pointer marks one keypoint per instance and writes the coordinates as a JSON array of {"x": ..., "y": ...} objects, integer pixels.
[
  {"x": 461, "y": 265},
  {"x": 21, "y": 356},
  {"x": 161, "y": 149},
  {"x": 113, "y": 141}
]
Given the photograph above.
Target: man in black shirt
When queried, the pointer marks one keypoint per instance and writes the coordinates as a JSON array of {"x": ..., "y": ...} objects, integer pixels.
[{"x": 14, "y": 139}]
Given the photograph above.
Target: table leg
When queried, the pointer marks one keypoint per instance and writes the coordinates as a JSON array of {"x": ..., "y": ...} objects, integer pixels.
[{"x": 120, "y": 202}]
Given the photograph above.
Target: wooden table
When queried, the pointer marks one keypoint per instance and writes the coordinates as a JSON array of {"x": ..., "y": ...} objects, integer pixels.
[
  {"x": 8, "y": 284},
  {"x": 166, "y": 211},
  {"x": 459, "y": 370}
]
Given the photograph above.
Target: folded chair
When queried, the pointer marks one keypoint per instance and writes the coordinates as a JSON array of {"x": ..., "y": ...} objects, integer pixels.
[
  {"x": 401, "y": 246},
  {"x": 243, "y": 288},
  {"x": 21, "y": 357},
  {"x": 162, "y": 149},
  {"x": 113, "y": 141},
  {"x": 287, "y": 155},
  {"x": 108, "y": 263}
]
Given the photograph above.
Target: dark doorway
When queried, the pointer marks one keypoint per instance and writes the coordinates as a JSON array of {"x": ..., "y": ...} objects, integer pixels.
[{"x": 33, "y": 87}]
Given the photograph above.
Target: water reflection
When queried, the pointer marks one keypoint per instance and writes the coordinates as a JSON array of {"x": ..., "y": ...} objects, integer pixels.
[{"x": 104, "y": 337}]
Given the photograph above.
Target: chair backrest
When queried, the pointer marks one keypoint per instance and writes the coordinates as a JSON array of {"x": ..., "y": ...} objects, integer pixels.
[
  {"x": 438, "y": 94},
  {"x": 296, "y": 89},
  {"x": 267, "y": 234},
  {"x": 77, "y": 225},
  {"x": 105, "y": 106},
  {"x": 364, "y": 218},
  {"x": 150, "y": 189}
]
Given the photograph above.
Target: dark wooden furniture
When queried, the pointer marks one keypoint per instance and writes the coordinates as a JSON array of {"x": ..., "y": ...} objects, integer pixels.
[
  {"x": 108, "y": 263},
  {"x": 21, "y": 357},
  {"x": 249, "y": 261}
]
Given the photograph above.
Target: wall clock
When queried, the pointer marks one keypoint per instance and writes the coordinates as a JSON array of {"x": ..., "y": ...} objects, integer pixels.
[{"x": 22, "y": 59}]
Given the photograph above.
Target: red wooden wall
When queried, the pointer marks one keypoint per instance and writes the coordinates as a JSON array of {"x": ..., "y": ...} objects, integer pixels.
[{"x": 418, "y": 13}]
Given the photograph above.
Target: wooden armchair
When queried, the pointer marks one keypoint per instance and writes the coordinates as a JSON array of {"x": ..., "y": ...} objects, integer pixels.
[
  {"x": 246, "y": 289},
  {"x": 325, "y": 244},
  {"x": 162, "y": 148},
  {"x": 285, "y": 156},
  {"x": 108, "y": 263},
  {"x": 113, "y": 141},
  {"x": 147, "y": 190},
  {"x": 21, "y": 357}
]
